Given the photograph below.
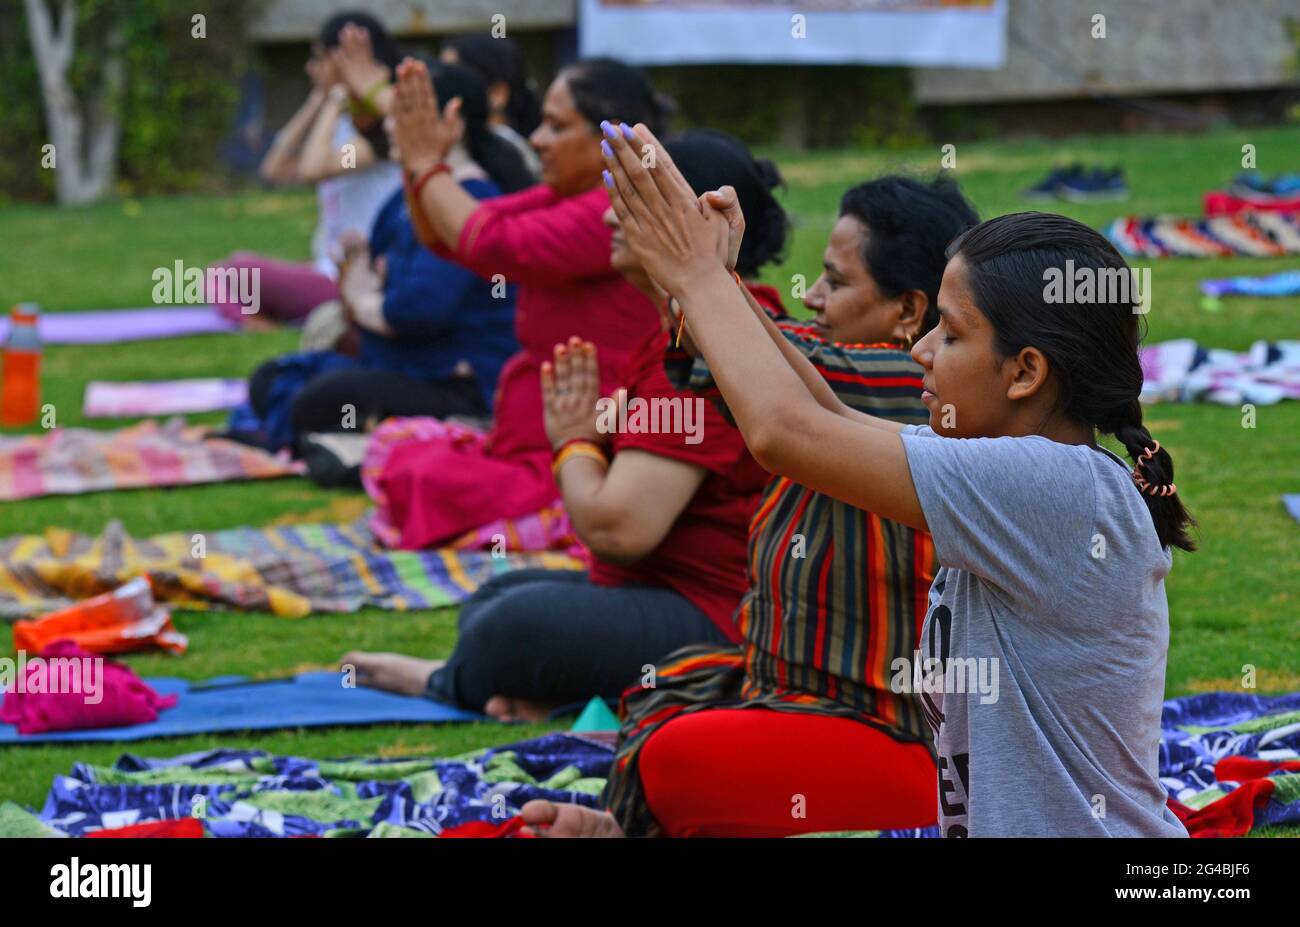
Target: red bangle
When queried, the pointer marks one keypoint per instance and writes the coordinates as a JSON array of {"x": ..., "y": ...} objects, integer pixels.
[{"x": 439, "y": 168}]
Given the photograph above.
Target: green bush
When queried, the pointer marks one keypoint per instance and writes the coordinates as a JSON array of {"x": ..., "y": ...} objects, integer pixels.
[
  {"x": 798, "y": 106},
  {"x": 179, "y": 96}
]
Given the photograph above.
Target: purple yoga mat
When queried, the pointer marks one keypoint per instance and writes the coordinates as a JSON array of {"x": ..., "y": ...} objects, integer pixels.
[
  {"x": 161, "y": 397},
  {"x": 103, "y": 326}
]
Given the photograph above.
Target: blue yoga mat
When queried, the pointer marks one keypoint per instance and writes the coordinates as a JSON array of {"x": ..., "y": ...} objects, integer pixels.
[{"x": 233, "y": 703}]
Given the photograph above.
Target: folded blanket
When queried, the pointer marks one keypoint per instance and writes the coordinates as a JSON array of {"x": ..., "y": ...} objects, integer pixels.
[
  {"x": 161, "y": 397},
  {"x": 1183, "y": 371},
  {"x": 1257, "y": 234},
  {"x": 68, "y": 461},
  {"x": 250, "y": 793},
  {"x": 290, "y": 570}
]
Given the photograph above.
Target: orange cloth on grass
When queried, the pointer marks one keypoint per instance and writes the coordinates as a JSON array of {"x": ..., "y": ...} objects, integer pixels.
[{"x": 116, "y": 622}]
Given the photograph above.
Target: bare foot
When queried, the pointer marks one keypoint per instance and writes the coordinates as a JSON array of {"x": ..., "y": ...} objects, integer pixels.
[
  {"x": 552, "y": 819},
  {"x": 256, "y": 323},
  {"x": 506, "y": 709},
  {"x": 392, "y": 672}
]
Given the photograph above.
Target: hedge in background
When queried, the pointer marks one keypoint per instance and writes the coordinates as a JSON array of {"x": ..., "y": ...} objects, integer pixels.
[{"x": 798, "y": 106}]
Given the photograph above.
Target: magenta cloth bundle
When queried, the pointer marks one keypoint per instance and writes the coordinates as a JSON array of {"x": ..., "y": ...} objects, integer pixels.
[{"x": 70, "y": 689}]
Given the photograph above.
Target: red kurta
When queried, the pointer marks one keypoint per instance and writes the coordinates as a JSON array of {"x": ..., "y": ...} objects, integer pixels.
[
  {"x": 557, "y": 251},
  {"x": 704, "y": 555}
]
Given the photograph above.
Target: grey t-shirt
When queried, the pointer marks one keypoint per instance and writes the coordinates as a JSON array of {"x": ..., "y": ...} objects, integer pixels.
[{"x": 1049, "y": 616}]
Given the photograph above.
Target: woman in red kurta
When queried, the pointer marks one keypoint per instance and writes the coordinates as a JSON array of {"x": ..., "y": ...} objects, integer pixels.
[
  {"x": 662, "y": 500},
  {"x": 551, "y": 242}
]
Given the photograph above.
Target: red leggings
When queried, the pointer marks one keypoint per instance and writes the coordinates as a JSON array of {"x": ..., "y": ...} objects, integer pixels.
[{"x": 751, "y": 772}]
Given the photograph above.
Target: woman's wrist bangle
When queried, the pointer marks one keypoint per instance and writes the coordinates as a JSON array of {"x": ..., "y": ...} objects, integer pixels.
[
  {"x": 573, "y": 441},
  {"x": 417, "y": 184},
  {"x": 579, "y": 447}
]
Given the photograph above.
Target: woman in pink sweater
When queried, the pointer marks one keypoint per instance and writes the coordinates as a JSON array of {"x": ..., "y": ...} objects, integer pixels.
[{"x": 550, "y": 242}]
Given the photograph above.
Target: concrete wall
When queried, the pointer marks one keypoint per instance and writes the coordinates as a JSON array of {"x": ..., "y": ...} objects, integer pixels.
[
  {"x": 299, "y": 20},
  {"x": 1151, "y": 47}
]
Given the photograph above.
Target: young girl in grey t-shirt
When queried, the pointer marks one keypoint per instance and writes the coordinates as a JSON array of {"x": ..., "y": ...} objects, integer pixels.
[{"x": 1046, "y": 638}]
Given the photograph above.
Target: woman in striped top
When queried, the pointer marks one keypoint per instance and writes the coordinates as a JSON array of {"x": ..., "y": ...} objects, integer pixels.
[{"x": 803, "y": 728}]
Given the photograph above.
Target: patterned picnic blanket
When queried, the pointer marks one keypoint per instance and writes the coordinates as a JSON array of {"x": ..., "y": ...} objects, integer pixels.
[
  {"x": 1233, "y": 759},
  {"x": 1230, "y": 760},
  {"x": 290, "y": 570},
  {"x": 250, "y": 793},
  {"x": 1184, "y": 371},
  {"x": 67, "y": 461},
  {"x": 1256, "y": 234}
]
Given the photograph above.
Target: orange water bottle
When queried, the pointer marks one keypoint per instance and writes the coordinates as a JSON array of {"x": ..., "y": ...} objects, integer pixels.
[{"x": 20, "y": 386}]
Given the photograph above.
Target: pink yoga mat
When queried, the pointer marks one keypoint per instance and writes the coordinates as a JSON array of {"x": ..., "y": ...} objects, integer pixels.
[{"x": 104, "y": 326}]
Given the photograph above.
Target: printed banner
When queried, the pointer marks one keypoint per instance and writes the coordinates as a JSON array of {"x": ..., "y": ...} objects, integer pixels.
[{"x": 922, "y": 33}]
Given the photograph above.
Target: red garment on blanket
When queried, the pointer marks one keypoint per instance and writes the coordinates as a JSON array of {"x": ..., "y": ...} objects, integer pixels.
[
  {"x": 509, "y": 828},
  {"x": 1221, "y": 203},
  {"x": 120, "y": 697},
  {"x": 738, "y": 772},
  {"x": 180, "y": 827},
  {"x": 704, "y": 556},
  {"x": 1233, "y": 815},
  {"x": 557, "y": 251},
  {"x": 1241, "y": 768}
]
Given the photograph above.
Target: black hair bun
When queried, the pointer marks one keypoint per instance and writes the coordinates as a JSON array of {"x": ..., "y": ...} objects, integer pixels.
[{"x": 768, "y": 173}]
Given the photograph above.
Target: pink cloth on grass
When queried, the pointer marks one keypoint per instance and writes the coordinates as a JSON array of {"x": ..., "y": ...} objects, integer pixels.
[{"x": 122, "y": 697}]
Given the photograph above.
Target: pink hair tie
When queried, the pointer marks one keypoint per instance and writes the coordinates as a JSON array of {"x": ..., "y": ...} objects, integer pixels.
[{"x": 1143, "y": 485}]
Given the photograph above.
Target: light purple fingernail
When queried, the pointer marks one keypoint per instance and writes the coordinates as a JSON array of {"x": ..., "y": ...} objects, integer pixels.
[
  {"x": 609, "y": 179},
  {"x": 627, "y": 132},
  {"x": 604, "y": 146}
]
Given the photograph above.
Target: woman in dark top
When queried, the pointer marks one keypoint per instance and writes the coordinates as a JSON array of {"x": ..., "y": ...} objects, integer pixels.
[{"x": 426, "y": 336}]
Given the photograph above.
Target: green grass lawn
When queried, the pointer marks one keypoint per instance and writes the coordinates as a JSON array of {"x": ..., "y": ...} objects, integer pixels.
[{"x": 1232, "y": 603}]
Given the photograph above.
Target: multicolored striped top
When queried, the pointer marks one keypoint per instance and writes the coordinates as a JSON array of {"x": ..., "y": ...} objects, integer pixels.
[{"x": 837, "y": 595}]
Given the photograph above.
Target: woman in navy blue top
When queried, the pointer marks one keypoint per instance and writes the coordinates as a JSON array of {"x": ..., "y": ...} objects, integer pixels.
[{"x": 425, "y": 336}]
